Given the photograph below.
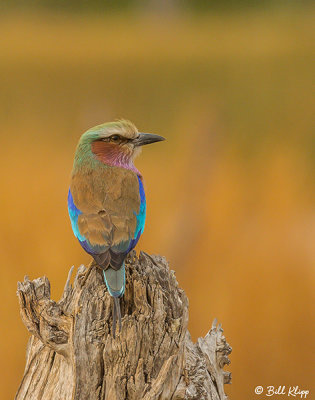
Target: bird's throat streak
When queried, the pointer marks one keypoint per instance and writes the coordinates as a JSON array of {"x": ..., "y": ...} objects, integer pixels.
[{"x": 113, "y": 155}]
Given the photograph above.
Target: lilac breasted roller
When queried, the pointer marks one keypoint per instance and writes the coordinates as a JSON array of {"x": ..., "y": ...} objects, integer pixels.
[{"x": 106, "y": 199}]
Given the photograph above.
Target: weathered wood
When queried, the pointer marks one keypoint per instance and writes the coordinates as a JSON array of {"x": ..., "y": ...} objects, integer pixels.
[{"x": 73, "y": 355}]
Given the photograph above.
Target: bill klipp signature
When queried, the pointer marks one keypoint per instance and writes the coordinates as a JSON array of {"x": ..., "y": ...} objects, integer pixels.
[{"x": 291, "y": 391}]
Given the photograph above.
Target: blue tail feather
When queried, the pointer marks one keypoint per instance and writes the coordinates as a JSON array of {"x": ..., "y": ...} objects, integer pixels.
[{"x": 115, "y": 281}]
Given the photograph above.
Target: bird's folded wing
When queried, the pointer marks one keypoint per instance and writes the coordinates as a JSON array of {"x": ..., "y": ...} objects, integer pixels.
[{"x": 107, "y": 203}]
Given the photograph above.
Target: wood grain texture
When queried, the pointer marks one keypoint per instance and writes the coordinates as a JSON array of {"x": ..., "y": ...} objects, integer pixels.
[{"x": 72, "y": 354}]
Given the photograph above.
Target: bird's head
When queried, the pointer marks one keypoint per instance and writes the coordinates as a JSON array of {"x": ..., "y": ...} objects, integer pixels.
[{"x": 117, "y": 143}]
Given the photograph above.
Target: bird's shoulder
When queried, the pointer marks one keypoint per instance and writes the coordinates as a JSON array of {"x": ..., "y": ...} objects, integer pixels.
[{"x": 109, "y": 188}]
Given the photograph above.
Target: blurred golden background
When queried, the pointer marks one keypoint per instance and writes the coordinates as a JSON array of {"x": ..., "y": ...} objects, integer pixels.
[{"x": 230, "y": 193}]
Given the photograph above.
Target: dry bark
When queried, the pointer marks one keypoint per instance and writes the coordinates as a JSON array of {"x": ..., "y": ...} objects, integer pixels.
[{"x": 73, "y": 355}]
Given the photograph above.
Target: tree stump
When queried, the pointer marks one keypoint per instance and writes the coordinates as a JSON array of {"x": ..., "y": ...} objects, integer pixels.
[{"x": 73, "y": 355}]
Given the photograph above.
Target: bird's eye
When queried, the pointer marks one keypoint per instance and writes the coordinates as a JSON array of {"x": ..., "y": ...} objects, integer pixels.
[{"x": 115, "y": 138}]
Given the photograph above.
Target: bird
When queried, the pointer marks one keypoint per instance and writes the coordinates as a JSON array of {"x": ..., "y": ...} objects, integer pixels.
[{"x": 106, "y": 200}]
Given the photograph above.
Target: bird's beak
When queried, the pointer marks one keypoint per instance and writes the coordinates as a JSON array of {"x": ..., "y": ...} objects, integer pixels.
[{"x": 147, "y": 138}]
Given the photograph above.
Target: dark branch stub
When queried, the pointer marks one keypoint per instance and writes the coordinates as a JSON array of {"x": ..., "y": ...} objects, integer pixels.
[{"x": 72, "y": 354}]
